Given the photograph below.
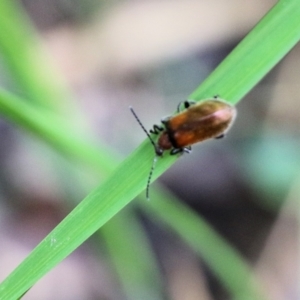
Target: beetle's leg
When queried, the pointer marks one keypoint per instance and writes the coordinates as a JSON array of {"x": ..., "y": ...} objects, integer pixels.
[
  {"x": 165, "y": 120},
  {"x": 175, "y": 151},
  {"x": 179, "y": 106},
  {"x": 216, "y": 96},
  {"x": 187, "y": 149},
  {"x": 156, "y": 129},
  {"x": 186, "y": 104},
  {"x": 220, "y": 136}
]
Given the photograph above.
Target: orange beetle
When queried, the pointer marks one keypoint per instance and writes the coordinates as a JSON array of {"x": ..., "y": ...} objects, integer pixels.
[{"x": 210, "y": 118}]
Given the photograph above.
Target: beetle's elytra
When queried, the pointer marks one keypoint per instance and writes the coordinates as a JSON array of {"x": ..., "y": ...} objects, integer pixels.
[{"x": 198, "y": 122}]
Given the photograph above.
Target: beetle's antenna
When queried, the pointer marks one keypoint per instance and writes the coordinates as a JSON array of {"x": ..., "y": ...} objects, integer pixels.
[
  {"x": 137, "y": 118},
  {"x": 155, "y": 148},
  {"x": 150, "y": 176}
]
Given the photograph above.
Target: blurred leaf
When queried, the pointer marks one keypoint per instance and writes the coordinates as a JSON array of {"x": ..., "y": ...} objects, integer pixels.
[
  {"x": 25, "y": 59},
  {"x": 272, "y": 163}
]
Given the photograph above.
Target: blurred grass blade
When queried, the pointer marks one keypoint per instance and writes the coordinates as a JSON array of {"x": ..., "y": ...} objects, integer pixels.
[
  {"x": 130, "y": 177},
  {"x": 226, "y": 263},
  {"x": 25, "y": 58},
  {"x": 58, "y": 133},
  {"x": 135, "y": 262}
]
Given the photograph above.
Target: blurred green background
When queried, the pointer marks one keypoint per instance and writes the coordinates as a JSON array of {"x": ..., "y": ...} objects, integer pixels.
[{"x": 101, "y": 57}]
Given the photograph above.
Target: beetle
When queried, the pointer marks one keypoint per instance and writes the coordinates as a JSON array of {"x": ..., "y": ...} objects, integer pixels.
[{"x": 210, "y": 118}]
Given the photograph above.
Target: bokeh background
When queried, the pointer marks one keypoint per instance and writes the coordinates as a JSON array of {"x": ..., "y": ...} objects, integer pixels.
[{"x": 152, "y": 55}]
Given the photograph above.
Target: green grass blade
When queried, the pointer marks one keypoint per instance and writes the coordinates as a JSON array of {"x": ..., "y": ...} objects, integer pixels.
[
  {"x": 129, "y": 179},
  {"x": 21, "y": 51},
  {"x": 97, "y": 208},
  {"x": 271, "y": 39},
  {"x": 25, "y": 59}
]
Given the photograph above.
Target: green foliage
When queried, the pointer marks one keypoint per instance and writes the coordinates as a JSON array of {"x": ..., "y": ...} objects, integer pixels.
[{"x": 263, "y": 47}]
